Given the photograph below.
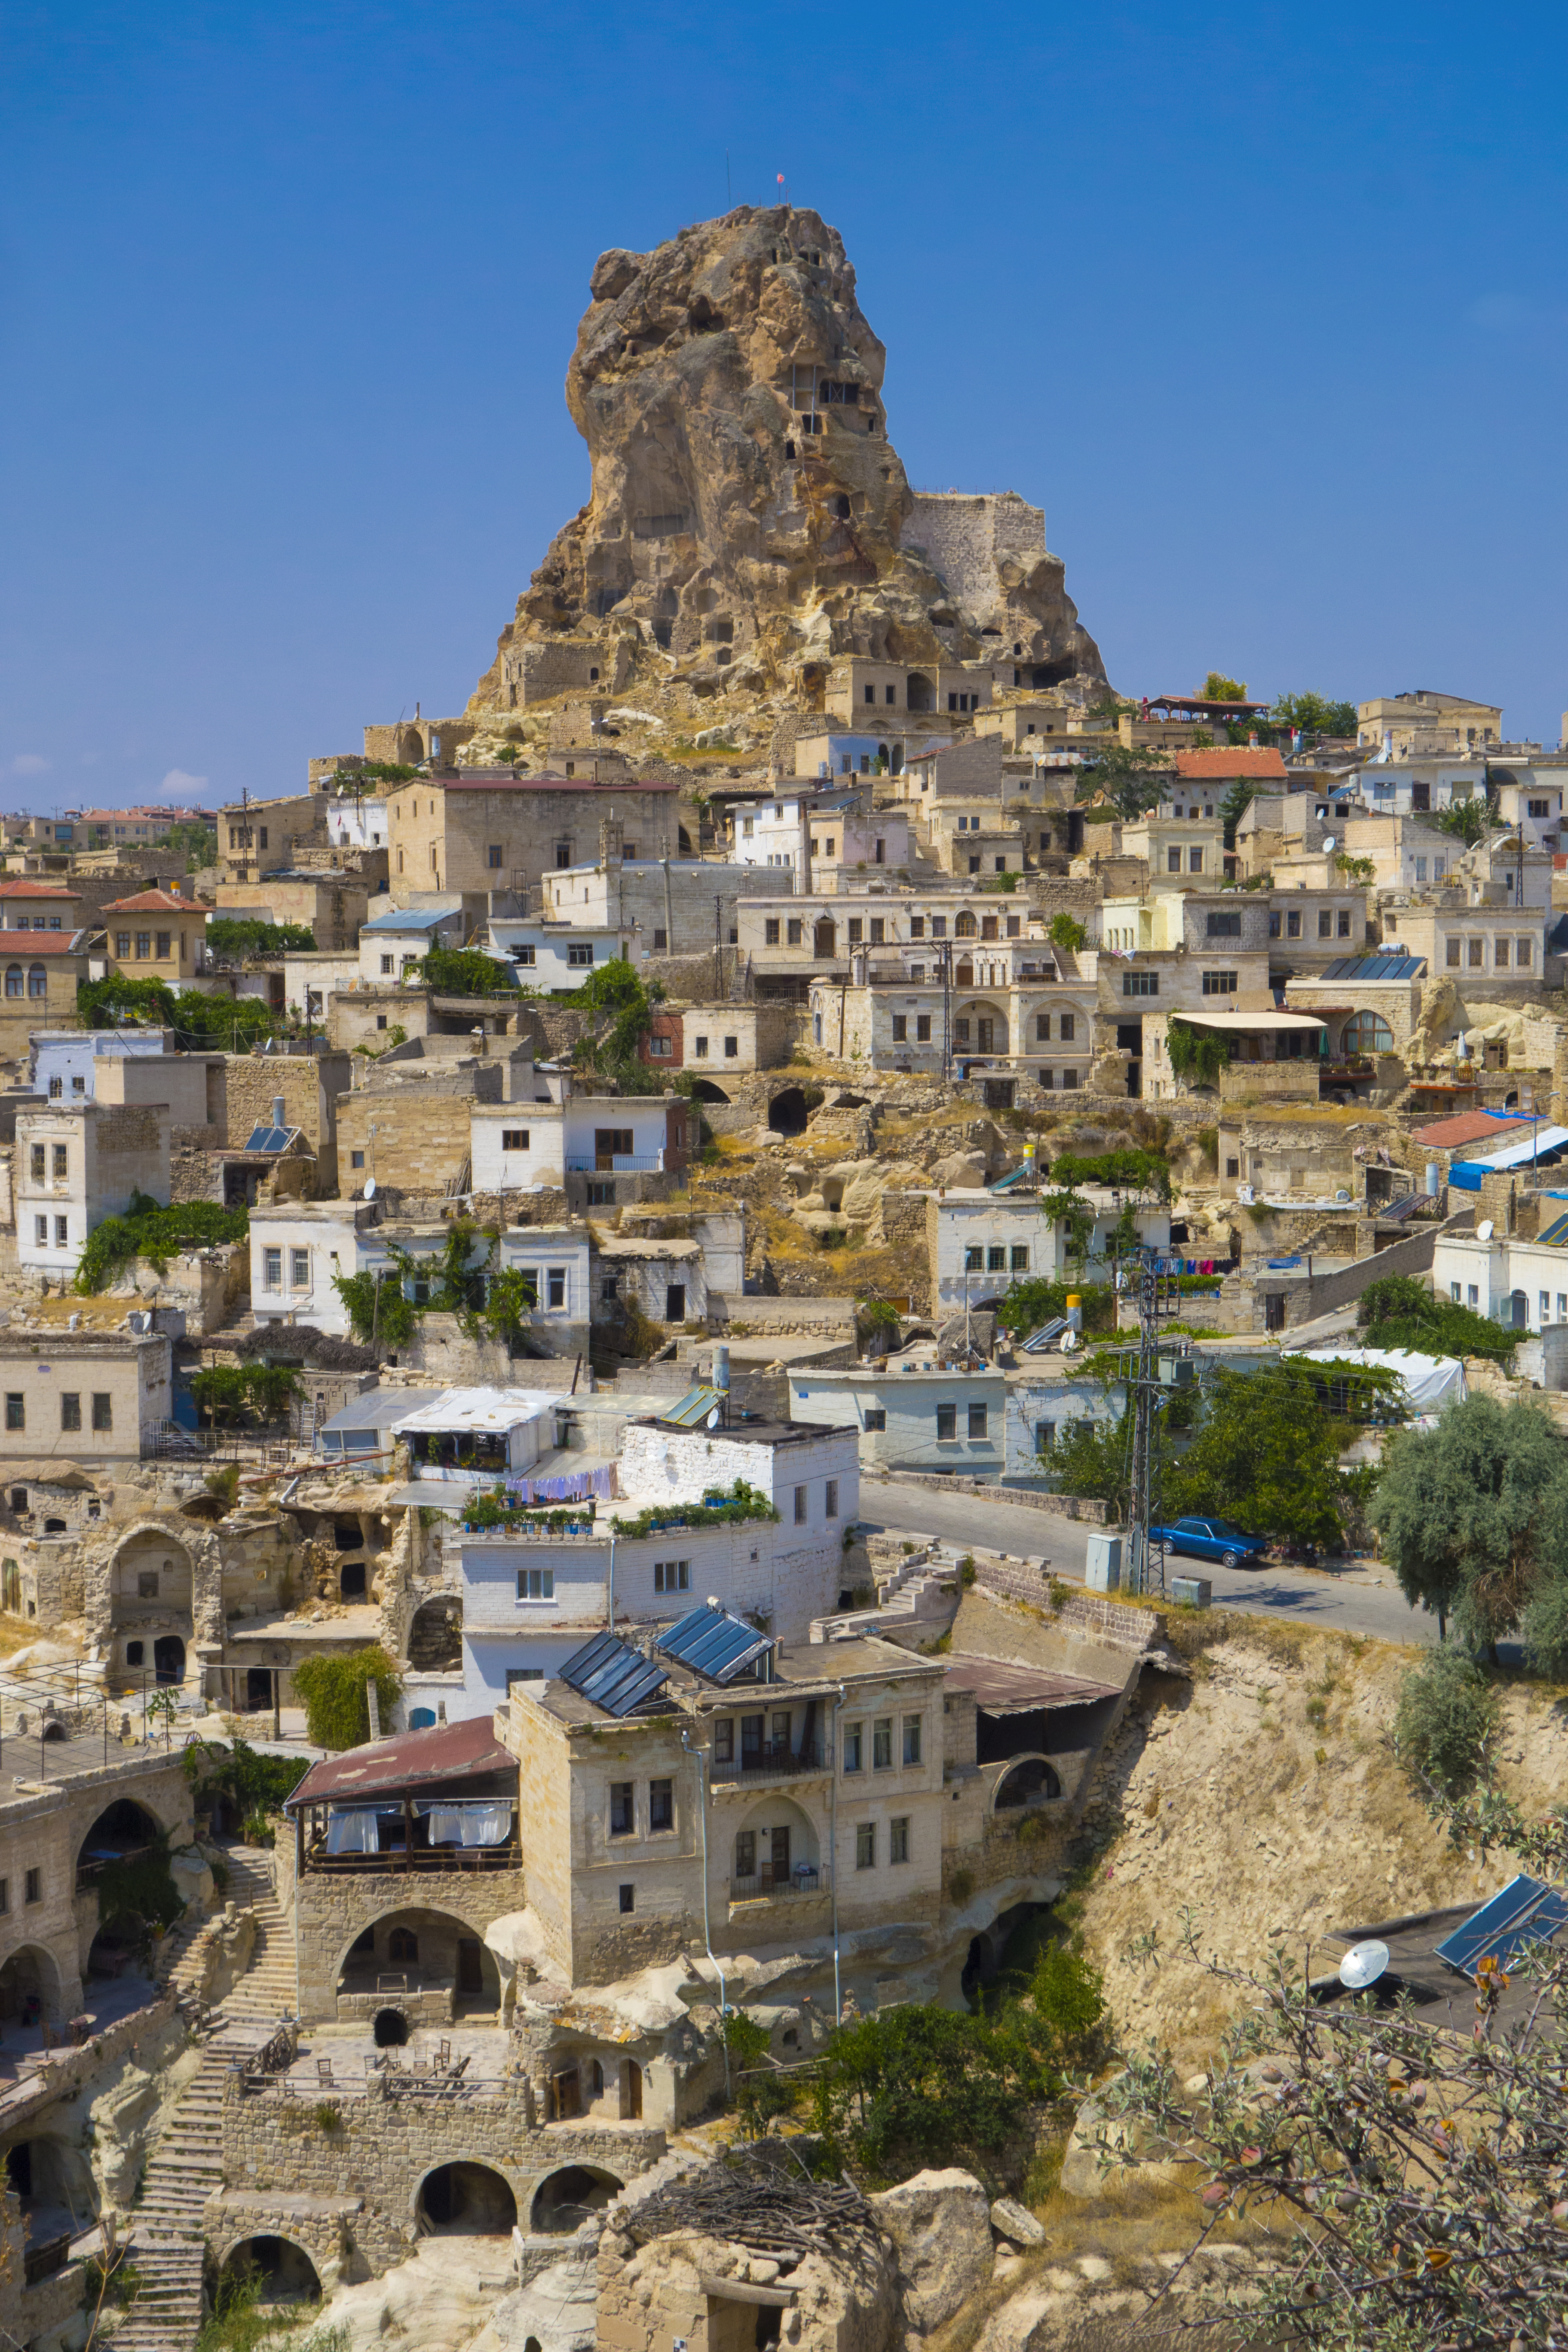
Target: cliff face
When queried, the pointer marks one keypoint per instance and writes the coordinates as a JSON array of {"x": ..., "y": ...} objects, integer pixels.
[{"x": 748, "y": 512}]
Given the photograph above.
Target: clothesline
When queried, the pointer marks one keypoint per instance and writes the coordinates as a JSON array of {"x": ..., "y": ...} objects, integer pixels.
[
  {"x": 355, "y": 1829},
  {"x": 571, "y": 1486}
]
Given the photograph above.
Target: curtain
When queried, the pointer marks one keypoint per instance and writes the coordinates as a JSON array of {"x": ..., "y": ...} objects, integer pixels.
[
  {"x": 484, "y": 1823},
  {"x": 351, "y": 1829}
]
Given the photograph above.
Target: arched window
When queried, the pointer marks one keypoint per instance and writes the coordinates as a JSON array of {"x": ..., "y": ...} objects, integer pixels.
[
  {"x": 965, "y": 927},
  {"x": 13, "y": 980},
  {"x": 1368, "y": 1032},
  {"x": 402, "y": 1945},
  {"x": 38, "y": 981}
]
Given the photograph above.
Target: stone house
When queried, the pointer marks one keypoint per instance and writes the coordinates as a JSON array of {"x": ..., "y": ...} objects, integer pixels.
[
  {"x": 75, "y": 1163},
  {"x": 27, "y": 905},
  {"x": 550, "y": 957},
  {"x": 100, "y": 1398},
  {"x": 390, "y": 943},
  {"x": 260, "y": 837},
  {"x": 486, "y": 831},
  {"x": 1424, "y": 722},
  {"x": 970, "y": 838},
  {"x": 1181, "y": 853},
  {"x": 39, "y": 976},
  {"x": 1500, "y": 947},
  {"x": 939, "y": 1418},
  {"x": 156, "y": 935},
  {"x": 1020, "y": 1006},
  {"x": 669, "y": 906},
  {"x": 856, "y": 686},
  {"x": 331, "y": 906},
  {"x": 604, "y": 1149},
  {"x": 714, "y": 1040}
]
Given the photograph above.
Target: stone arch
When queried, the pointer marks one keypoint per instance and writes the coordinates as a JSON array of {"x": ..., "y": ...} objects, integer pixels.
[
  {"x": 787, "y": 1112},
  {"x": 704, "y": 1090},
  {"x": 785, "y": 1842},
  {"x": 564, "y": 2198},
  {"x": 436, "y": 1633},
  {"x": 920, "y": 693},
  {"x": 30, "y": 1973},
  {"x": 1028, "y": 1780},
  {"x": 410, "y": 747},
  {"x": 438, "y": 1930},
  {"x": 152, "y": 1593},
  {"x": 286, "y": 2269},
  {"x": 467, "y": 2198},
  {"x": 965, "y": 927},
  {"x": 987, "y": 1027},
  {"x": 125, "y": 1827}
]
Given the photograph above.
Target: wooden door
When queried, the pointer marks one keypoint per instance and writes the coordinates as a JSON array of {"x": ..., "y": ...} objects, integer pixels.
[
  {"x": 470, "y": 1976},
  {"x": 781, "y": 1855},
  {"x": 631, "y": 2091}
]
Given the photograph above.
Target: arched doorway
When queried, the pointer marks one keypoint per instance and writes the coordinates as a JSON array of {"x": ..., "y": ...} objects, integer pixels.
[
  {"x": 435, "y": 1635},
  {"x": 29, "y": 1987},
  {"x": 390, "y": 2029},
  {"x": 1031, "y": 1781},
  {"x": 423, "y": 1950},
  {"x": 278, "y": 2270},
  {"x": 786, "y": 1112},
  {"x": 775, "y": 1845},
  {"x": 466, "y": 2200},
  {"x": 122, "y": 1829},
  {"x": 169, "y": 1659},
  {"x": 563, "y": 2199},
  {"x": 920, "y": 693}
]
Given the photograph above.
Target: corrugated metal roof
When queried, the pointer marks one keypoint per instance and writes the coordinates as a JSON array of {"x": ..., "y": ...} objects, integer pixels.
[
  {"x": 714, "y": 1644},
  {"x": 1004, "y": 1689},
  {"x": 411, "y": 918},
  {"x": 449, "y": 1752},
  {"x": 378, "y": 1408},
  {"x": 1468, "y": 1127},
  {"x": 479, "y": 1409},
  {"x": 1526, "y": 1911},
  {"x": 612, "y": 1674},
  {"x": 1546, "y": 1140}
]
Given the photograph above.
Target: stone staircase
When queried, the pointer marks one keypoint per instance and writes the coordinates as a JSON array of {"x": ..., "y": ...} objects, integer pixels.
[
  {"x": 165, "y": 2244},
  {"x": 920, "y": 1588}
]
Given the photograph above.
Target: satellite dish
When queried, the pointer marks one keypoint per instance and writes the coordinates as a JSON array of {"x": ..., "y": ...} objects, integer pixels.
[
  {"x": 713, "y": 1418},
  {"x": 1070, "y": 1341},
  {"x": 1329, "y": 843},
  {"x": 370, "y": 1188},
  {"x": 1363, "y": 1965},
  {"x": 1484, "y": 1232}
]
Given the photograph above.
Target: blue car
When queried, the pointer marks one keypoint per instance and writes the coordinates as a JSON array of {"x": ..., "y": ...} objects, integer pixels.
[{"x": 1211, "y": 1539}]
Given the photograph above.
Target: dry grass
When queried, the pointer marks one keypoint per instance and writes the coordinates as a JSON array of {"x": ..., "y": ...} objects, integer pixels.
[{"x": 14, "y": 1637}]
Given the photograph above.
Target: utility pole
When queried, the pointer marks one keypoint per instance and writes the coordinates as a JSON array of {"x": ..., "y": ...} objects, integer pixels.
[{"x": 1157, "y": 1296}]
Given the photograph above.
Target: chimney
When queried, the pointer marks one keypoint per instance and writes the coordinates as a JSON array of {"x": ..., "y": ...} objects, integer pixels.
[{"x": 278, "y": 1119}]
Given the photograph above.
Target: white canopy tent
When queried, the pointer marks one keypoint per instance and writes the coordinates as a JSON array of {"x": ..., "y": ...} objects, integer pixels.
[{"x": 1431, "y": 1383}]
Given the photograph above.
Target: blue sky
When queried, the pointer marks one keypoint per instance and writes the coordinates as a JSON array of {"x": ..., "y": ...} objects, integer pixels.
[{"x": 1268, "y": 306}]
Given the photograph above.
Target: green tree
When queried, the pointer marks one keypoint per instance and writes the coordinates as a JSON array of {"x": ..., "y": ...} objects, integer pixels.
[
  {"x": 465, "y": 971},
  {"x": 337, "y": 1712},
  {"x": 1399, "y": 1312},
  {"x": 194, "y": 841},
  {"x": 1026, "y": 1305},
  {"x": 1467, "y": 821},
  {"x": 1234, "y": 805},
  {"x": 1131, "y": 778},
  {"x": 1446, "y": 1719},
  {"x": 154, "y": 1233},
  {"x": 1218, "y": 687},
  {"x": 1266, "y": 1453},
  {"x": 1066, "y": 931},
  {"x": 1089, "y": 1457},
  {"x": 240, "y": 937},
  {"x": 1474, "y": 1514},
  {"x": 117, "y": 1002},
  {"x": 1310, "y": 714}
]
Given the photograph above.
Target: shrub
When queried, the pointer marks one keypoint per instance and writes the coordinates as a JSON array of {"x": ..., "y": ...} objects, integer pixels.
[
  {"x": 240, "y": 937},
  {"x": 1446, "y": 1720},
  {"x": 334, "y": 1689},
  {"x": 156, "y": 1234}
]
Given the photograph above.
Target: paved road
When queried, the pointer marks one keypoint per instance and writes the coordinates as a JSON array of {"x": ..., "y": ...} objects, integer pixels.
[{"x": 1350, "y": 1602}]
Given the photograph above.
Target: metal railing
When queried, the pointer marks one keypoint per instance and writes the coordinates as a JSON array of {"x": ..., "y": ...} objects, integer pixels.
[
  {"x": 616, "y": 1163},
  {"x": 769, "y": 1762},
  {"x": 762, "y": 1886},
  {"x": 401, "y": 1861}
]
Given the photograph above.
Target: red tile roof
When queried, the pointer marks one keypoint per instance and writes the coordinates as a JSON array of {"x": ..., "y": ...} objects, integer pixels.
[
  {"x": 1249, "y": 760},
  {"x": 1471, "y": 1127},
  {"x": 33, "y": 943},
  {"x": 21, "y": 887},
  {"x": 152, "y": 902}
]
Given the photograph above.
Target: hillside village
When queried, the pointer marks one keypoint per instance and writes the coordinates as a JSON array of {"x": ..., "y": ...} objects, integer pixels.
[{"x": 568, "y": 1247}]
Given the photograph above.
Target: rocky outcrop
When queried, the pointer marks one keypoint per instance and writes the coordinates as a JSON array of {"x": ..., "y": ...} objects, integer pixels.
[
  {"x": 940, "y": 2224},
  {"x": 749, "y": 515}
]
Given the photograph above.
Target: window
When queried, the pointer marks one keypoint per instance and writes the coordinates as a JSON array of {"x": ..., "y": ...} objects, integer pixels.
[
  {"x": 41, "y": 1231},
  {"x": 854, "y": 1751},
  {"x": 629, "y": 1899},
  {"x": 973, "y": 1261},
  {"x": 34, "y": 1886},
  {"x": 163, "y": 947},
  {"x": 579, "y": 953},
  {"x": 899, "y": 1838},
  {"x": 1451, "y": 954},
  {"x": 1325, "y": 923},
  {"x": 724, "y": 1740},
  {"x": 830, "y": 1505},
  {"x": 796, "y": 931},
  {"x": 661, "y": 1805},
  {"x": 977, "y": 1419},
  {"x": 856, "y": 929},
  {"x": 1454, "y": 1290},
  {"x": 912, "y": 1738},
  {"x": 1474, "y": 1298},
  {"x": 879, "y": 925},
  {"x": 121, "y": 944},
  {"x": 1195, "y": 861},
  {"x": 882, "y": 1744},
  {"x": 35, "y": 1161},
  {"x": 1293, "y": 923},
  {"x": 916, "y": 927},
  {"x": 770, "y": 931},
  {"x": 493, "y": 856},
  {"x": 514, "y": 1139},
  {"x": 661, "y": 1049},
  {"x": 870, "y": 694},
  {"x": 1219, "y": 983},
  {"x": 62, "y": 1232},
  {"x": 1172, "y": 861},
  {"x": 56, "y": 1089},
  {"x": 745, "y": 1853},
  {"x": 15, "y": 1413},
  {"x": 5, "y": 1896},
  {"x": 1521, "y": 954},
  {"x": 299, "y": 1269},
  {"x": 946, "y": 1421},
  {"x": 1020, "y": 1258},
  {"x": 1068, "y": 1027},
  {"x": 1224, "y": 926},
  {"x": 1546, "y": 1306},
  {"x": 923, "y": 1028},
  {"x": 865, "y": 1845},
  {"x": 536, "y": 1584},
  {"x": 79, "y": 1085},
  {"x": 996, "y": 1258},
  {"x": 38, "y": 980},
  {"x": 876, "y": 1417},
  {"x": 1140, "y": 984},
  {"x": 1342, "y": 923},
  {"x": 143, "y": 945},
  {"x": 1043, "y": 1028},
  {"x": 272, "y": 1269},
  {"x": 800, "y": 1507},
  {"x": 901, "y": 1028},
  {"x": 1233, "y": 1167},
  {"x": 1539, "y": 808},
  {"x": 672, "y": 1576},
  {"x": 1499, "y": 955},
  {"x": 525, "y": 954},
  {"x": 1474, "y": 953},
  {"x": 356, "y": 1158},
  {"x": 70, "y": 1409},
  {"x": 599, "y": 1195},
  {"x": 555, "y": 1285},
  {"x": 523, "y": 1674},
  {"x": 1273, "y": 923},
  {"x": 700, "y": 1048},
  {"x": 661, "y": 941},
  {"x": 1367, "y": 1032},
  {"x": 938, "y": 926},
  {"x": 731, "y": 1049}
]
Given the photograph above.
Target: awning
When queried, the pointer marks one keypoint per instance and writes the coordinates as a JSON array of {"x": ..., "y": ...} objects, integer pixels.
[
  {"x": 1519, "y": 1155},
  {"x": 1430, "y": 1381},
  {"x": 1243, "y": 1021},
  {"x": 448, "y": 1752},
  {"x": 1003, "y": 1689}
]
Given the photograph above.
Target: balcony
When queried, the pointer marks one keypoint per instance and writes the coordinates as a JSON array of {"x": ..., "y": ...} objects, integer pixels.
[
  {"x": 401, "y": 1861},
  {"x": 615, "y": 1163},
  {"x": 805, "y": 1881},
  {"x": 773, "y": 1760}
]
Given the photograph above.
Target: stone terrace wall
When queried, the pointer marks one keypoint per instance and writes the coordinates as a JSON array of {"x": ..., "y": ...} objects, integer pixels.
[
  {"x": 334, "y": 1906},
  {"x": 362, "y": 2179},
  {"x": 1061, "y": 1506}
]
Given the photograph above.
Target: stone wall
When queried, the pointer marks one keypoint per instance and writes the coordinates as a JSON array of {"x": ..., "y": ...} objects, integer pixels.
[
  {"x": 364, "y": 2177},
  {"x": 1029, "y": 1499},
  {"x": 421, "y": 1142},
  {"x": 336, "y": 1907}
]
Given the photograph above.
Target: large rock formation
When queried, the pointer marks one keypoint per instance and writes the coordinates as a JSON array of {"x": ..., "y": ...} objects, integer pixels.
[{"x": 750, "y": 519}]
